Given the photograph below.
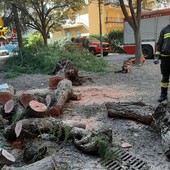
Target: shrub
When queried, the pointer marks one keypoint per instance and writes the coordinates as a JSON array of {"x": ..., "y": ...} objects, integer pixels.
[{"x": 43, "y": 59}]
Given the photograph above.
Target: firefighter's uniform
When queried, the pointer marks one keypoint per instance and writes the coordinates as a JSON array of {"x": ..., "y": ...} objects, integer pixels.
[{"x": 163, "y": 51}]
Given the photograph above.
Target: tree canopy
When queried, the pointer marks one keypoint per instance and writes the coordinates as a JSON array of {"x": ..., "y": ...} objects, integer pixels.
[{"x": 47, "y": 15}]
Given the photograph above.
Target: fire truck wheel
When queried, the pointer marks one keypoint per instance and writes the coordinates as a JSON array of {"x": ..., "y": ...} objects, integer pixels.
[{"x": 147, "y": 51}]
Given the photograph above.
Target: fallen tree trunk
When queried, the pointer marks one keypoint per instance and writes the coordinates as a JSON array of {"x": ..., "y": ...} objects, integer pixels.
[
  {"x": 133, "y": 110},
  {"x": 66, "y": 69},
  {"x": 162, "y": 120}
]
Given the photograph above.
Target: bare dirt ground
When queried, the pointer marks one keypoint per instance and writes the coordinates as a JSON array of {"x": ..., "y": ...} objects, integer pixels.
[{"x": 142, "y": 84}]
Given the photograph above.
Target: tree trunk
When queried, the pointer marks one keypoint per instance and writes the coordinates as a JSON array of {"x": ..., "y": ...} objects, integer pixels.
[
  {"x": 138, "y": 50},
  {"x": 18, "y": 26},
  {"x": 45, "y": 36}
]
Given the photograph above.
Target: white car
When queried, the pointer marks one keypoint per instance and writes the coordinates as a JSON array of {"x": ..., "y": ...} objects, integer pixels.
[{"x": 4, "y": 52}]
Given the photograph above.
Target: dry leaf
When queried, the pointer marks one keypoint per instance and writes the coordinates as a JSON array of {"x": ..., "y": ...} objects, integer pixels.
[
  {"x": 9, "y": 105},
  {"x": 18, "y": 128},
  {"x": 126, "y": 145}
]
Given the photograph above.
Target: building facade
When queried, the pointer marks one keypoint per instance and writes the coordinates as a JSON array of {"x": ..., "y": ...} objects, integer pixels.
[{"x": 87, "y": 21}]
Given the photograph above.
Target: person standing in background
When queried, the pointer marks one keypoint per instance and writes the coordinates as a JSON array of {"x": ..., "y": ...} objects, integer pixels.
[{"x": 163, "y": 53}]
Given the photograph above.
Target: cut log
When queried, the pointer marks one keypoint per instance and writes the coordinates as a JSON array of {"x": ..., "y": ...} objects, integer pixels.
[
  {"x": 162, "y": 120},
  {"x": 36, "y": 109},
  {"x": 33, "y": 127},
  {"x": 25, "y": 99},
  {"x": 62, "y": 94},
  {"x": 6, "y": 93},
  {"x": 8, "y": 110},
  {"x": 53, "y": 82},
  {"x": 137, "y": 111}
]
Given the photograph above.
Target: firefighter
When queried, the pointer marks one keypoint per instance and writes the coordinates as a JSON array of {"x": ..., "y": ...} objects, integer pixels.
[{"x": 163, "y": 53}]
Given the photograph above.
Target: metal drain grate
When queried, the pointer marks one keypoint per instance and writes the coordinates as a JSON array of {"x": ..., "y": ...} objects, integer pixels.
[{"x": 125, "y": 161}]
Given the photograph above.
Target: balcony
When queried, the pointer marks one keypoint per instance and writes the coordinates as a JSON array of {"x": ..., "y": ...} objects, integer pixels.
[
  {"x": 108, "y": 2},
  {"x": 114, "y": 20}
]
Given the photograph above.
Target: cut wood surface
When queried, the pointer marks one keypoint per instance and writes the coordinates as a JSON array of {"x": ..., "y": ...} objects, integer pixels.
[
  {"x": 133, "y": 110},
  {"x": 25, "y": 99},
  {"x": 37, "y": 106},
  {"x": 6, "y": 93},
  {"x": 53, "y": 82}
]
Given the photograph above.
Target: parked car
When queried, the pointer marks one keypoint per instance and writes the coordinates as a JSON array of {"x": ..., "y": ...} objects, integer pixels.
[
  {"x": 4, "y": 52},
  {"x": 92, "y": 44}
]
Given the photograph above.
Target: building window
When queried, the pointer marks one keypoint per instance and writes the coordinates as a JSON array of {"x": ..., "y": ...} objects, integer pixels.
[
  {"x": 77, "y": 33},
  {"x": 68, "y": 34}
]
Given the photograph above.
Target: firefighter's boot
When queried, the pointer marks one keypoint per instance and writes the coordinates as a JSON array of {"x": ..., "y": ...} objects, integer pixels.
[{"x": 163, "y": 95}]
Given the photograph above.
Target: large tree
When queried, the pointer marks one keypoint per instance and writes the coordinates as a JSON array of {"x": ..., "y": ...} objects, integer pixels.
[
  {"x": 133, "y": 17},
  {"x": 47, "y": 15}
]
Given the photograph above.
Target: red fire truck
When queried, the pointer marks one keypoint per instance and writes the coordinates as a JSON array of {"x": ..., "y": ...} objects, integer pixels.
[{"x": 151, "y": 25}]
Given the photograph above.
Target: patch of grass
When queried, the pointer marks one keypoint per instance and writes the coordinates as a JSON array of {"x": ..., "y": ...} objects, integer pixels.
[
  {"x": 106, "y": 151},
  {"x": 42, "y": 60}
]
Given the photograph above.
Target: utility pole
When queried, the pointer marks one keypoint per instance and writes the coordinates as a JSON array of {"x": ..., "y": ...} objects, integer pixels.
[{"x": 100, "y": 26}]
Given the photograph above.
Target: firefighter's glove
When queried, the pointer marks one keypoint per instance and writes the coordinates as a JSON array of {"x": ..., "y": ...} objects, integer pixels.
[{"x": 156, "y": 59}]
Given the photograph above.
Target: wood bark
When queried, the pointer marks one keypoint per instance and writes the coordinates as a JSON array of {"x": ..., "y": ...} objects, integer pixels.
[
  {"x": 137, "y": 111},
  {"x": 162, "y": 120}
]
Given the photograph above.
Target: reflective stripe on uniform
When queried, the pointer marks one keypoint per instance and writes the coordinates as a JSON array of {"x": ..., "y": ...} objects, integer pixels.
[
  {"x": 158, "y": 52},
  {"x": 167, "y": 35},
  {"x": 165, "y": 85}
]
